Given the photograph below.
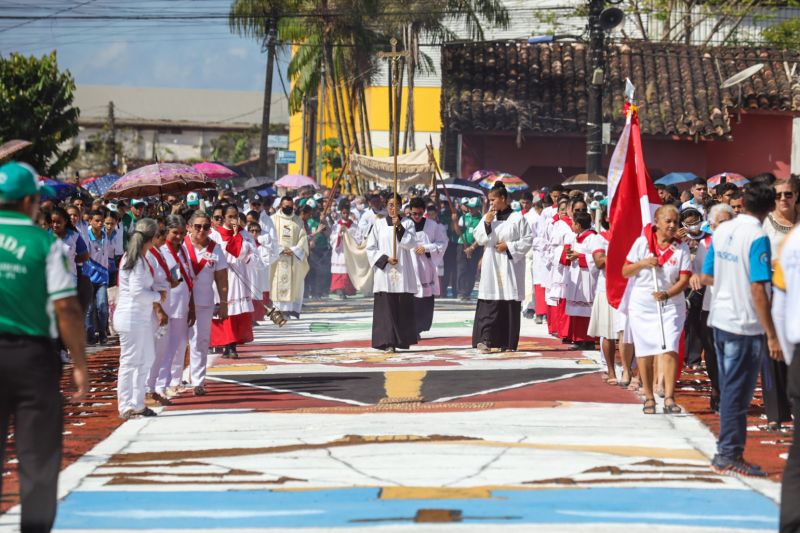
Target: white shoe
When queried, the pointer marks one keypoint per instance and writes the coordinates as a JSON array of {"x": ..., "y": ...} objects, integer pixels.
[
  {"x": 65, "y": 358},
  {"x": 483, "y": 348}
]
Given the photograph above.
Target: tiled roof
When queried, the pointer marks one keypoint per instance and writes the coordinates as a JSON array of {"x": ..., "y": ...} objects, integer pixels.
[{"x": 513, "y": 86}]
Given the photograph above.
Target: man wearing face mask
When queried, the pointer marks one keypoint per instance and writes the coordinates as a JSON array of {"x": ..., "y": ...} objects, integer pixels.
[
  {"x": 290, "y": 266},
  {"x": 692, "y": 234}
]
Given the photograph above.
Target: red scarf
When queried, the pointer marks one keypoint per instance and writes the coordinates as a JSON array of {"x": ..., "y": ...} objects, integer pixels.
[
  {"x": 663, "y": 255},
  {"x": 161, "y": 261},
  {"x": 197, "y": 266},
  {"x": 585, "y": 235},
  {"x": 234, "y": 240},
  {"x": 346, "y": 225},
  {"x": 177, "y": 259},
  {"x": 606, "y": 235}
]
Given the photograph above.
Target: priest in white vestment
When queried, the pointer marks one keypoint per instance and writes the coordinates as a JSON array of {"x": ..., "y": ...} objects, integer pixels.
[
  {"x": 390, "y": 243},
  {"x": 506, "y": 237},
  {"x": 290, "y": 265}
]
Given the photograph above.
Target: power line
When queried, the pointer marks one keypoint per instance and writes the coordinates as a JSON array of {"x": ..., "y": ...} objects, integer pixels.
[{"x": 33, "y": 19}]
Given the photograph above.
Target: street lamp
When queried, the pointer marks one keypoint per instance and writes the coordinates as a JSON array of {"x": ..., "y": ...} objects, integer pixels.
[{"x": 601, "y": 20}]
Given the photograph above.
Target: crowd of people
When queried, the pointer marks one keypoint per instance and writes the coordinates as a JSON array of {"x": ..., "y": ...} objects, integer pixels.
[{"x": 193, "y": 273}]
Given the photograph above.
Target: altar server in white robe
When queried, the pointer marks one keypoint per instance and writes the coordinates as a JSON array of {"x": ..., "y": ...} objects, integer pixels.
[
  {"x": 581, "y": 282},
  {"x": 506, "y": 237},
  {"x": 560, "y": 237},
  {"x": 431, "y": 245},
  {"x": 290, "y": 265},
  {"x": 210, "y": 272},
  {"x": 341, "y": 284},
  {"x": 538, "y": 269},
  {"x": 239, "y": 249},
  {"x": 395, "y": 281}
]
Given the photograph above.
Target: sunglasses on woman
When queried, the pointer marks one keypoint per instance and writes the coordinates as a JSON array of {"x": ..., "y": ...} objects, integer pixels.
[
  {"x": 202, "y": 227},
  {"x": 785, "y": 194}
]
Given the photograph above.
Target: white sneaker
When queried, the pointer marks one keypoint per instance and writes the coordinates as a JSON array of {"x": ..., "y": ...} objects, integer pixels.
[{"x": 65, "y": 358}]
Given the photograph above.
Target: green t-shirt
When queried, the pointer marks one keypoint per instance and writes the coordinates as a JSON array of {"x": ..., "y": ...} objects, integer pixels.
[
  {"x": 468, "y": 223},
  {"x": 320, "y": 240},
  {"x": 34, "y": 271}
]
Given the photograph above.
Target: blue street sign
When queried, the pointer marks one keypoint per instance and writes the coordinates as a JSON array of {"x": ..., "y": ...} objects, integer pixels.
[{"x": 286, "y": 157}]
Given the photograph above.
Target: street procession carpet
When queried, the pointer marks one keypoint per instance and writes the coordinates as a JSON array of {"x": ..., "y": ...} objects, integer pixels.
[{"x": 311, "y": 429}]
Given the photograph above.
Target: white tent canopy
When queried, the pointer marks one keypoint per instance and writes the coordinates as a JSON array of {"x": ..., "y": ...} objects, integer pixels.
[{"x": 412, "y": 168}]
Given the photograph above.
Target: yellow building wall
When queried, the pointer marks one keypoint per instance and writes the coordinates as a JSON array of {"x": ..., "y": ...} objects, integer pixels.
[{"x": 427, "y": 121}]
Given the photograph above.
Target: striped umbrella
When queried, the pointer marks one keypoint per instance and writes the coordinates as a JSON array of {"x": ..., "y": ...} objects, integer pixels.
[
  {"x": 158, "y": 179},
  {"x": 512, "y": 183}
]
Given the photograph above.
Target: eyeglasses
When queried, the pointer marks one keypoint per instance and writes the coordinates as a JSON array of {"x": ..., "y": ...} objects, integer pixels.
[
  {"x": 784, "y": 194},
  {"x": 202, "y": 227},
  {"x": 218, "y": 218}
]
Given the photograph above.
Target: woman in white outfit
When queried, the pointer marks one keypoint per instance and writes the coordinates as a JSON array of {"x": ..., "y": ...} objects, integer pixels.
[
  {"x": 138, "y": 313},
  {"x": 658, "y": 251}
]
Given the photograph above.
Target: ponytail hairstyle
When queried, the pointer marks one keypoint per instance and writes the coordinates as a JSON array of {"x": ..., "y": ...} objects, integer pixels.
[
  {"x": 499, "y": 190},
  {"x": 144, "y": 232}
]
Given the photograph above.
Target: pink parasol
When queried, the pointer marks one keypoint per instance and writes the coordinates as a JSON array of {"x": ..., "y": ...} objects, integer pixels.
[
  {"x": 12, "y": 147},
  {"x": 296, "y": 181},
  {"x": 215, "y": 171},
  {"x": 730, "y": 177},
  {"x": 157, "y": 179}
]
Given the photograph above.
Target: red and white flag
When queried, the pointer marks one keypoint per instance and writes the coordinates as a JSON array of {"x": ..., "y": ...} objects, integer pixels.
[{"x": 632, "y": 200}]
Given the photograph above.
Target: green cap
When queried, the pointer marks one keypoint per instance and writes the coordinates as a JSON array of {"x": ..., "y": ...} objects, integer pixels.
[{"x": 18, "y": 180}]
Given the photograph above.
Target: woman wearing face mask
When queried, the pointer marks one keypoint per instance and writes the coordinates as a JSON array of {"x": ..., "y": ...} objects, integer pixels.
[{"x": 658, "y": 252}]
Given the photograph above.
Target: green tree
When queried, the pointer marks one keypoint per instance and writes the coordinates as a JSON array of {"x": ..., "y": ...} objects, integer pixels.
[
  {"x": 36, "y": 105},
  {"x": 785, "y": 34},
  {"x": 234, "y": 146}
]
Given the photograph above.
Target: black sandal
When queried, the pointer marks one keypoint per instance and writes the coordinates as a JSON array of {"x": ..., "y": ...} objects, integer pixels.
[
  {"x": 673, "y": 408},
  {"x": 649, "y": 407}
]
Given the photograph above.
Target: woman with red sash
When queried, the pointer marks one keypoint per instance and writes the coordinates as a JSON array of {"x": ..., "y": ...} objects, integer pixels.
[
  {"x": 237, "y": 328},
  {"x": 559, "y": 238},
  {"x": 209, "y": 269},
  {"x": 340, "y": 280},
  {"x": 658, "y": 253},
  {"x": 582, "y": 280}
]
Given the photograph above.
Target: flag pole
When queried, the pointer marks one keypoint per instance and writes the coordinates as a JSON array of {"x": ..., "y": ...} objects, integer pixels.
[{"x": 660, "y": 305}]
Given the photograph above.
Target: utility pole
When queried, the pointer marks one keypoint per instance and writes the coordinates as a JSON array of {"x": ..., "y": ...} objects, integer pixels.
[
  {"x": 112, "y": 140},
  {"x": 269, "y": 46},
  {"x": 321, "y": 121},
  {"x": 594, "y": 118}
]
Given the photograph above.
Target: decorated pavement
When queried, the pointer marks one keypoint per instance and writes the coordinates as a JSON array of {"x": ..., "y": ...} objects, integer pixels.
[{"x": 312, "y": 429}]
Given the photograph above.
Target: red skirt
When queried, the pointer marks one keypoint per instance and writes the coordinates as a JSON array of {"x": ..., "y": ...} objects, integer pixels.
[
  {"x": 541, "y": 304},
  {"x": 578, "y": 328},
  {"x": 341, "y": 282},
  {"x": 258, "y": 310},
  {"x": 552, "y": 327},
  {"x": 563, "y": 319},
  {"x": 236, "y": 329}
]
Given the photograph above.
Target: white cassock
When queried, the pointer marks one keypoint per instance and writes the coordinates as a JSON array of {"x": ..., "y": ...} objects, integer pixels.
[
  {"x": 365, "y": 222},
  {"x": 582, "y": 278},
  {"x": 287, "y": 279},
  {"x": 502, "y": 285},
  {"x": 430, "y": 237},
  {"x": 241, "y": 288},
  {"x": 560, "y": 235},
  {"x": 532, "y": 218},
  {"x": 267, "y": 249},
  {"x": 338, "y": 263},
  {"x": 393, "y": 324}
]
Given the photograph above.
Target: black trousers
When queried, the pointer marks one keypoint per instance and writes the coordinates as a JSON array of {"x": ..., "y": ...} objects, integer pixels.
[
  {"x": 497, "y": 324},
  {"x": 710, "y": 351},
  {"x": 467, "y": 270},
  {"x": 774, "y": 380},
  {"x": 790, "y": 490},
  {"x": 30, "y": 371},
  {"x": 318, "y": 279},
  {"x": 450, "y": 270},
  {"x": 693, "y": 329}
]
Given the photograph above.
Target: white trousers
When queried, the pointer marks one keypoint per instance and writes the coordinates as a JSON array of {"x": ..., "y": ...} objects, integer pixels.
[
  {"x": 172, "y": 370},
  {"x": 137, "y": 351},
  {"x": 163, "y": 372},
  {"x": 199, "y": 341}
]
